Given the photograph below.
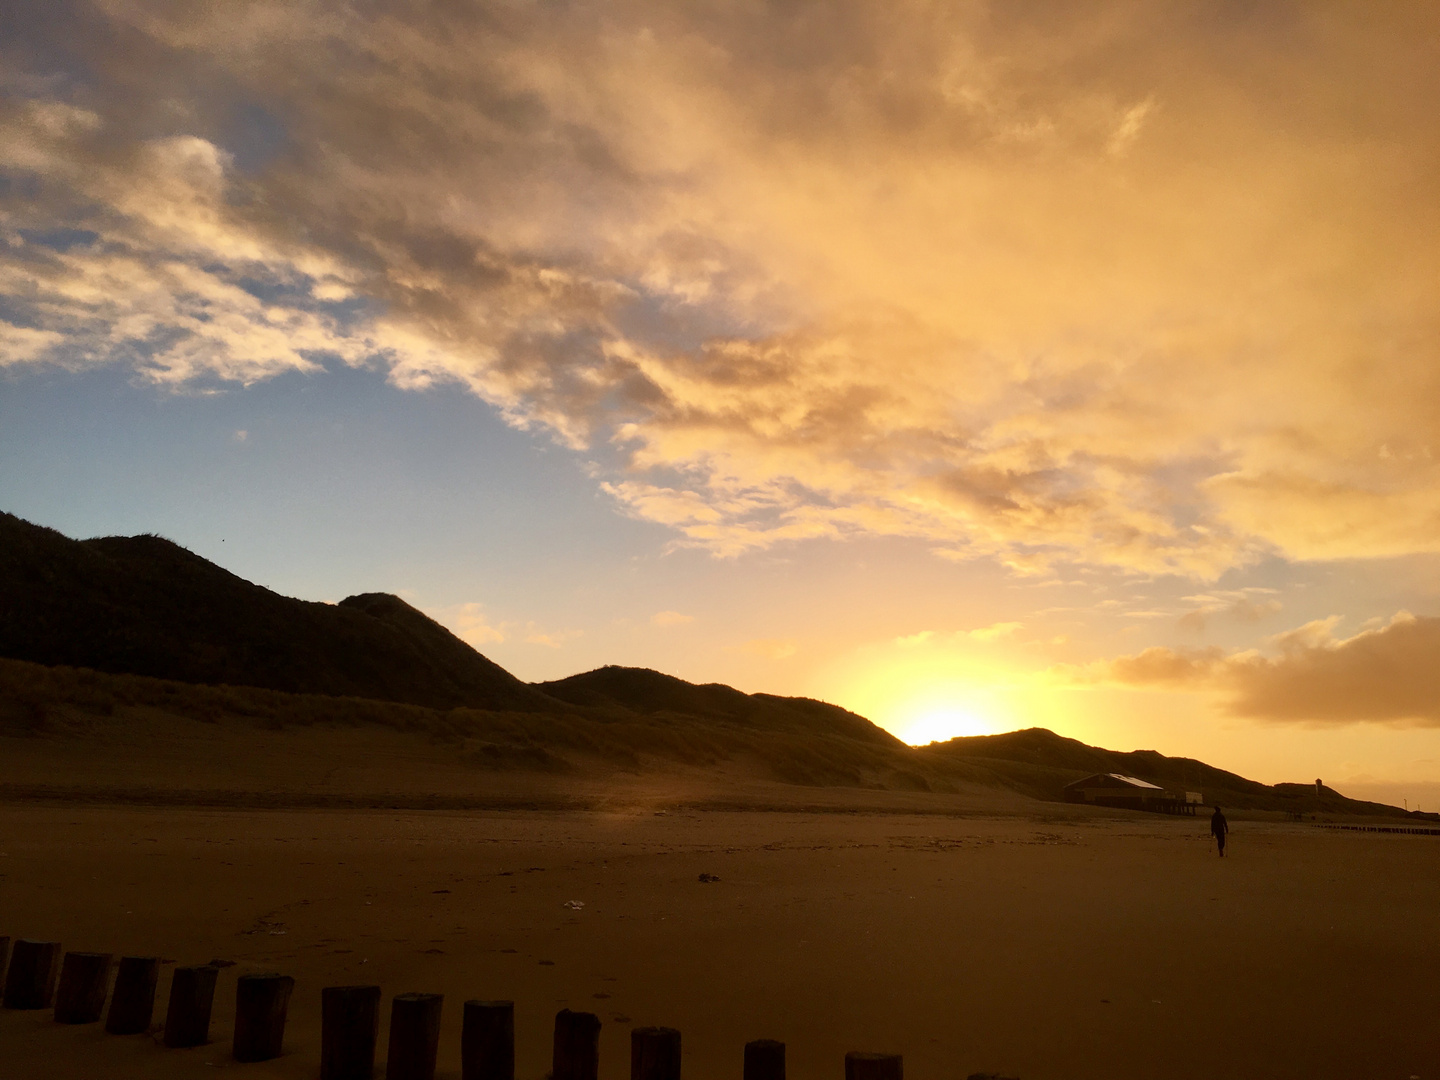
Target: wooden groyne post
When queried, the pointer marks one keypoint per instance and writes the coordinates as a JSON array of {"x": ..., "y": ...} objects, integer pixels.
[
  {"x": 84, "y": 983},
  {"x": 261, "y": 1002},
  {"x": 577, "y": 1046},
  {"x": 349, "y": 1025},
  {"x": 864, "y": 1066},
  {"x": 654, "y": 1053},
  {"x": 414, "y": 1036},
  {"x": 765, "y": 1060},
  {"x": 487, "y": 1041},
  {"x": 132, "y": 1002},
  {"x": 30, "y": 982},
  {"x": 192, "y": 995}
]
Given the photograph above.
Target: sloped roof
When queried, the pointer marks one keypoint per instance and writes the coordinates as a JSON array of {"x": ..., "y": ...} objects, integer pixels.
[{"x": 1113, "y": 780}]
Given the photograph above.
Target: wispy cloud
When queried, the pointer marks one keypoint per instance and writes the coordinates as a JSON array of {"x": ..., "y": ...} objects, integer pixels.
[
  {"x": 472, "y": 625},
  {"x": 771, "y": 648},
  {"x": 1249, "y": 605},
  {"x": 551, "y": 639},
  {"x": 1112, "y": 284},
  {"x": 995, "y": 631}
]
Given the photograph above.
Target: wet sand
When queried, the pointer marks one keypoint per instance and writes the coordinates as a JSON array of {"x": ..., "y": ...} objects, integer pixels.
[{"x": 1042, "y": 946}]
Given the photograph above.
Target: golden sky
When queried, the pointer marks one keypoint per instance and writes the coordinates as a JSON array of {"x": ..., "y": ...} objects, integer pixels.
[{"x": 1116, "y": 323}]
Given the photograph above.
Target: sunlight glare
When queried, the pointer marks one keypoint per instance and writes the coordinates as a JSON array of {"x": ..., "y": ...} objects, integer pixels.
[{"x": 937, "y": 725}]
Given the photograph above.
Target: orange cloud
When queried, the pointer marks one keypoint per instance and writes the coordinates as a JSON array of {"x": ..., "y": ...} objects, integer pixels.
[
  {"x": 1146, "y": 286},
  {"x": 1388, "y": 673}
]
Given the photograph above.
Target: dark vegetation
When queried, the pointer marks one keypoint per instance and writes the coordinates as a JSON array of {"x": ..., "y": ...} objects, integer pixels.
[{"x": 100, "y": 632}]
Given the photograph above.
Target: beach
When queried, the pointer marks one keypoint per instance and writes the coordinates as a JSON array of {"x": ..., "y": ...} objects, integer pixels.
[{"x": 1034, "y": 945}]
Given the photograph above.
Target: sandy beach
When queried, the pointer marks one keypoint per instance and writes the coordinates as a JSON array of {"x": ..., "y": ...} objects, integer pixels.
[{"x": 1037, "y": 946}]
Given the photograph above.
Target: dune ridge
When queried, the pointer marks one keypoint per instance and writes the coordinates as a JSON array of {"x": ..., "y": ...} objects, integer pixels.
[{"x": 136, "y": 642}]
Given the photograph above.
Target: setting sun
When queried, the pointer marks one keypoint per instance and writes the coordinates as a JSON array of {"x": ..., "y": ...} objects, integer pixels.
[{"x": 940, "y": 724}]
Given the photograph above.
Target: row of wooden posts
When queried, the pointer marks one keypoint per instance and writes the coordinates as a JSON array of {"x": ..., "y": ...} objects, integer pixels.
[{"x": 77, "y": 985}]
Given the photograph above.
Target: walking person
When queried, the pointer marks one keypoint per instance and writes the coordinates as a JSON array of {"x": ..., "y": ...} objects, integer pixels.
[{"x": 1218, "y": 828}]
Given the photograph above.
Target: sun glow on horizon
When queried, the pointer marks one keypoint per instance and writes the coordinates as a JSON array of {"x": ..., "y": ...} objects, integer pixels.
[
  {"x": 928, "y": 694},
  {"x": 945, "y": 723}
]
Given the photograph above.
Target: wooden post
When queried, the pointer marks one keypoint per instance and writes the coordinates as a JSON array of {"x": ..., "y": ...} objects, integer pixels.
[
  {"x": 192, "y": 994},
  {"x": 4, "y": 955},
  {"x": 577, "y": 1046},
  {"x": 261, "y": 1002},
  {"x": 132, "y": 1003},
  {"x": 654, "y": 1053},
  {"x": 765, "y": 1060},
  {"x": 30, "y": 982},
  {"x": 863, "y": 1066},
  {"x": 84, "y": 982},
  {"x": 349, "y": 1025},
  {"x": 487, "y": 1041},
  {"x": 414, "y": 1036}
]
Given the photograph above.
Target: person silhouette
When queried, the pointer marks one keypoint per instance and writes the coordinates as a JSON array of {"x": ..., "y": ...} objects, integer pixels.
[{"x": 1218, "y": 828}]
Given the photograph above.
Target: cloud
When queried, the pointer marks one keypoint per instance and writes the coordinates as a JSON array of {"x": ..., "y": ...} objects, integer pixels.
[
  {"x": 671, "y": 618},
  {"x": 471, "y": 624},
  {"x": 1157, "y": 666},
  {"x": 552, "y": 639},
  {"x": 771, "y": 648},
  {"x": 1387, "y": 674},
  {"x": 1249, "y": 605},
  {"x": 1150, "y": 286},
  {"x": 995, "y": 630},
  {"x": 911, "y": 641}
]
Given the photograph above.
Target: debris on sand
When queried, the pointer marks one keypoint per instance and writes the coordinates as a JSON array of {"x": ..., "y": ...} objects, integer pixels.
[{"x": 706, "y": 879}]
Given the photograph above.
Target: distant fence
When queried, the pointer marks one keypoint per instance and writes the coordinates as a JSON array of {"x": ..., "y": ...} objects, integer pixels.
[
  {"x": 77, "y": 984},
  {"x": 1385, "y": 828}
]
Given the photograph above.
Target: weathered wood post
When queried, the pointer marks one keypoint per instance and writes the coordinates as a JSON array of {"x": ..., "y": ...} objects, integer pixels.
[
  {"x": 30, "y": 982},
  {"x": 192, "y": 994},
  {"x": 261, "y": 1002},
  {"x": 84, "y": 982},
  {"x": 132, "y": 1002},
  {"x": 577, "y": 1046},
  {"x": 765, "y": 1060},
  {"x": 4, "y": 955},
  {"x": 487, "y": 1041},
  {"x": 654, "y": 1053},
  {"x": 414, "y": 1036},
  {"x": 863, "y": 1066},
  {"x": 349, "y": 1025}
]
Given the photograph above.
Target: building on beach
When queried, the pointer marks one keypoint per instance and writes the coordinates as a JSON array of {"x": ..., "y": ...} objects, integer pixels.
[{"x": 1126, "y": 792}]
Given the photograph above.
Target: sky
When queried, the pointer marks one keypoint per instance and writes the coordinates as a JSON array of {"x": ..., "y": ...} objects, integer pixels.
[{"x": 974, "y": 366}]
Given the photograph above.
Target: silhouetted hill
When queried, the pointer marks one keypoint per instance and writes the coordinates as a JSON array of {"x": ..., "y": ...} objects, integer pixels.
[
  {"x": 143, "y": 609},
  {"x": 142, "y": 605},
  {"x": 652, "y": 693},
  {"x": 1039, "y": 762}
]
